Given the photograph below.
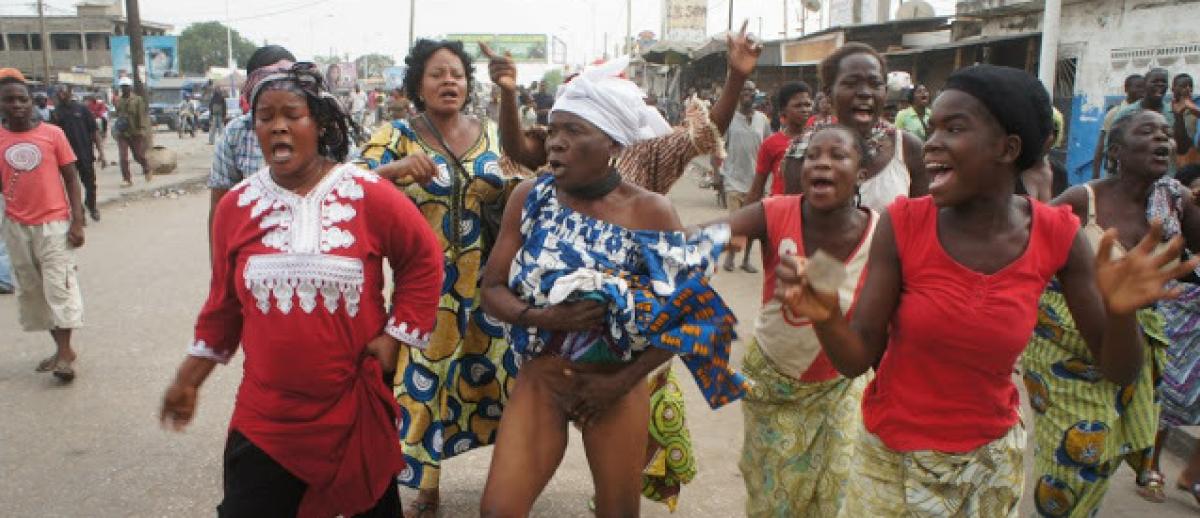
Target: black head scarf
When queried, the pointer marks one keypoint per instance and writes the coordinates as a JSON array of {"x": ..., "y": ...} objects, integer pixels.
[{"x": 1017, "y": 100}]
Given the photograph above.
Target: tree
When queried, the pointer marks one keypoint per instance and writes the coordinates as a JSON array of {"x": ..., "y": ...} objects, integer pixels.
[
  {"x": 202, "y": 45},
  {"x": 372, "y": 65}
]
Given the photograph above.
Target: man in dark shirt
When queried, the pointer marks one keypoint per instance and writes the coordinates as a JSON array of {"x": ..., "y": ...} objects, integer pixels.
[
  {"x": 544, "y": 102},
  {"x": 216, "y": 113},
  {"x": 77, "y": 123}
]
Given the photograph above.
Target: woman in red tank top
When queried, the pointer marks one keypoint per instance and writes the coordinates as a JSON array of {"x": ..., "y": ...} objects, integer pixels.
[
  {"x": 951, "y": 299},
  {"x": 800, "y": 407}
]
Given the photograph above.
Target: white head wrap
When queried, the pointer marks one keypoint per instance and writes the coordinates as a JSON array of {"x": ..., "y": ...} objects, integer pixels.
[{"x": 611, "y": 103}]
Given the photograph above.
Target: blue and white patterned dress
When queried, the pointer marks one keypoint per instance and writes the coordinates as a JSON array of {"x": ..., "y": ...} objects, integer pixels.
[{"x": 655, "y": 284}]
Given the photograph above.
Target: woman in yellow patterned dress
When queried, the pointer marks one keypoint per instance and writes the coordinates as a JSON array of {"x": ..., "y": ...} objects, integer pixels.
[
  {"x": 1085, "y": 426},
  {"x": 451, "y": 393}
]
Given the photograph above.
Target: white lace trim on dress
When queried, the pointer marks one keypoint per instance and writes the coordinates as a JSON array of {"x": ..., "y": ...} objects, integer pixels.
[
  {"x": 410, "y": 335},
  {"x": 200, "y": 349},
  {"x": 302, "y": 276}
]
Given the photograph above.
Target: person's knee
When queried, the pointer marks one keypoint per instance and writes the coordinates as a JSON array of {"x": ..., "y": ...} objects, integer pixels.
[{"x": 492, "y": 507}]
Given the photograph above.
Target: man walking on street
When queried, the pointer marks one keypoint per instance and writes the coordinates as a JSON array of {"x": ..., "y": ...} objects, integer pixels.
[
  {"x": 43, "y": 221},
  {"x": 216, "y": 114},
  {"x": 132, "y": 129},
  {"x": 745, "y": 135},
  {"x": 358, "y": 106},
  {"x": 77, "y": 123}
]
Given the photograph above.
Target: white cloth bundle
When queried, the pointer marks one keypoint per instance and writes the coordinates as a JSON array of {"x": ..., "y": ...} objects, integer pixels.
[{"x": 611, "y": 103}]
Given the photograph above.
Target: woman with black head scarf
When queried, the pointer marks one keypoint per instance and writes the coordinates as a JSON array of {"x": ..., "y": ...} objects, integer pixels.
[
  {"x": 297, "y": 281},
  {"x": 951, "y": 299}
]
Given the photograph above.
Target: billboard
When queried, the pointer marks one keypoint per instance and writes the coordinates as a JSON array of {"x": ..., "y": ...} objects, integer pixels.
[
  {"x": 161, "y": 57},
  {"x": 525, "y": 48},
  {"x": 340, "y": 76},
  {"x": 685, "y": 21},
  {"x": 393, "y": 77}
]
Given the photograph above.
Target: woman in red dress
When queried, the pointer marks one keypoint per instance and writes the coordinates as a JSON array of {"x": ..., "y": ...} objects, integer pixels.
[{"x": 297, "y": 279}]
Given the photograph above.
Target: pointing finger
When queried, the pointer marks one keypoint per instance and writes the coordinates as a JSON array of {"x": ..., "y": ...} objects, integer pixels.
[{"x": 486, "y": 50}]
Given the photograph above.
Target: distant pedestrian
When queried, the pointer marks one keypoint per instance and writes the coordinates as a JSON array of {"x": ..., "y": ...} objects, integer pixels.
[
  {"x": 358, "y": 106},
  {"x": 216, "y": 114},
  {"x": 80, "y": 127},
  {"x": 40, "y": 101},
  {"x": 132, "y": 130},
  {"x": 99, "y": 109},
  {"x": 43, "y": 222},
  {"x": 544, "y": 102},
  {"x": 237, "y": 154},
  {"x": 743, "y": 138}
]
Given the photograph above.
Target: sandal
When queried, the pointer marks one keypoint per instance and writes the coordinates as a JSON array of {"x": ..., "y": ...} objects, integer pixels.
[
  {"x": 64, "y": 371},
  {"x": 1152, "y": 490},
  {"x": 47, "y": 364},
  {"x": 1194, "y": 488}
]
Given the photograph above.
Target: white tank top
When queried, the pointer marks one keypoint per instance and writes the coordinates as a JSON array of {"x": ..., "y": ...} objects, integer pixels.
[{"x": 880, "y": 190}]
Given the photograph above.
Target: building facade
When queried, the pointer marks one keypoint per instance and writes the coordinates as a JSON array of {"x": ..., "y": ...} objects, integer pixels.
[
  {"x": 1101, "y": 42},
  {"x": 78, "y": 43}
]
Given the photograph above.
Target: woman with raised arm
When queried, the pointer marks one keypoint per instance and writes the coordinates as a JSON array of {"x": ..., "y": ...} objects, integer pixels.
[
  {"x": 950, "y": 301},
  {"x": 297, "y": 282},
  {"x": 600, "y": 287},
  {"x": 655, "y": 163},
  {"x": 801, "y": 416}
]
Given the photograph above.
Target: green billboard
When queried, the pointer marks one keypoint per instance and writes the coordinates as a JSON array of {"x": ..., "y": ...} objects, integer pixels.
[{"x": 524, "y": 48}]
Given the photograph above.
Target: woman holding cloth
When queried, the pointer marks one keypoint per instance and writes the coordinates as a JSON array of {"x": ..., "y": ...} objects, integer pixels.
[
  {"x": 297, "y": 280},
  {"x": 951, "y": 299},
  {"x": 603, "y": 288},
  {"x": 801, "y": 416},
  {"x": 449, "y": 164}
]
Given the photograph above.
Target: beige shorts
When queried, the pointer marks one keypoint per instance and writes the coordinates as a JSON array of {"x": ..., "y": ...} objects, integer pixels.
[
  {"x": 44, "y": 270},
  {"x": 734, "y": 200}
]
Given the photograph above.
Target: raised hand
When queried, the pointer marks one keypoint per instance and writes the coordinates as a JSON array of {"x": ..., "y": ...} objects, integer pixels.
[
  {"x": 743, "y": 52},
  {"x": 502, "y": 69},
  {"x": 797, "y": 294},
  {"x": 1139, "y": 278}
]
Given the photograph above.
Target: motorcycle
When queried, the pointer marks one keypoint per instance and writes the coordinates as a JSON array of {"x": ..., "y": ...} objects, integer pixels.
[{"x": 187, "y": 124}]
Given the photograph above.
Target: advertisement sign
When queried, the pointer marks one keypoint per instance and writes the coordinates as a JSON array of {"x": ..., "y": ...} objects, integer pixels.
[
  {"x": 161, "y": 57},
  {"x": 393, "y": 77},
  {"x": 685, "y": 20},
  {"x": 341, "y": 76},
  {"x": 809, "y": 51},
  {"x": 525, "y": 48}
]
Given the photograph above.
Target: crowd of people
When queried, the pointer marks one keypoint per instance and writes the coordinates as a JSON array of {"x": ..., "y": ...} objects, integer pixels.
[{"x": 540, "y": 278}]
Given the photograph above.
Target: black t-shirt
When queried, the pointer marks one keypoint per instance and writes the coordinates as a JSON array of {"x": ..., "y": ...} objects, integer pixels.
[
  {"x": 216, "y": 104},
  {"x": 77, "y": 123},
  {"x": 544, "y": 101}
]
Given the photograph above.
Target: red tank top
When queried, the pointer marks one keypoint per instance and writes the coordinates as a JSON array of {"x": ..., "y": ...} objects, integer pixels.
[{"x": 945, "y": 380}]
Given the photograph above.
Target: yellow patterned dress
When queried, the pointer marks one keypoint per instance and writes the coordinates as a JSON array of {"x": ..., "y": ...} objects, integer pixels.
[
  {"x": 1084, "y": 425},
  {"x": 452, "y": 393}
]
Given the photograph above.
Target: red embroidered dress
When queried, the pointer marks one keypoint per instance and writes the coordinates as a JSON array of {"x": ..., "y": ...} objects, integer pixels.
[{"x": 298, "y": 280}]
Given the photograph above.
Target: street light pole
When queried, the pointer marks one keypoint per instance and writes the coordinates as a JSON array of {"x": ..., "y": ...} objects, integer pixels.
[
  {"x": 412, "y": 22},
  {"x": 1048, "y": 59},
  {"x": 229, "y": 41},
  {"x": 137, "y": 53},
  {"x": 45, "y": 43}
]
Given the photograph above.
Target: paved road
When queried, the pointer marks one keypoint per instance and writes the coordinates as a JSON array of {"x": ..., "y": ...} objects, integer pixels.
[{"x": 94, "y": 448}]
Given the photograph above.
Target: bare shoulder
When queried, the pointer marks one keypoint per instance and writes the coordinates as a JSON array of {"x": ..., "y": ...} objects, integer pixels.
[{"x": 652, "y": 210}]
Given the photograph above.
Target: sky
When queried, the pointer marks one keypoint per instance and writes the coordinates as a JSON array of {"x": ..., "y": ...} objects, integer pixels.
[{"x": 356, "y": 27}]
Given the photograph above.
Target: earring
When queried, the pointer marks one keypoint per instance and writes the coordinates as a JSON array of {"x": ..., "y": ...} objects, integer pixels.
[{"x": 612, "y": 162}]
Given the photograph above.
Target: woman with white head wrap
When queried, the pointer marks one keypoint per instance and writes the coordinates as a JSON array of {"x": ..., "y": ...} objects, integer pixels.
[{"x": 600, "y": 287}]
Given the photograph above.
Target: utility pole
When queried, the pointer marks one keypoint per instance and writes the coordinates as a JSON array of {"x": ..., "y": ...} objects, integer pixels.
[
  {"x": 1048, "y": 59},
  {"x": 785, "y": 20},
  {"x": 136, "y": 53},
  {"x": 412, "y": 22},
  {"x": 45, "y": 44},
  {"x": 231, "y": 63},
  {"x": 730, "y": 27},
  {"x": 629, "y": 27}
]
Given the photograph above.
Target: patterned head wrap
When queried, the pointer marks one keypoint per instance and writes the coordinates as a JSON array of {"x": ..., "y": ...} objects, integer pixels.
[{"x": 615, "y": 105}]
